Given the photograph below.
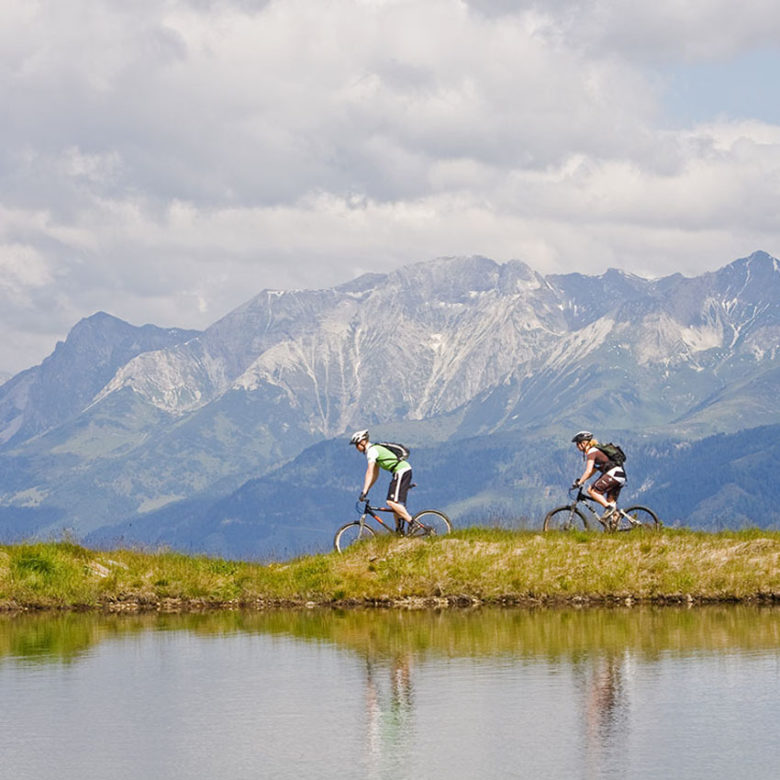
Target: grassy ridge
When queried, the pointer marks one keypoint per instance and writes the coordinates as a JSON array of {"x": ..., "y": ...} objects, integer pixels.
[{"x": 470, "y": 566}]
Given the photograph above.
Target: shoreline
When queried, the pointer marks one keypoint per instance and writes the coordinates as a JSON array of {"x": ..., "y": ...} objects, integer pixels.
[{"x": 460, "y": 602}]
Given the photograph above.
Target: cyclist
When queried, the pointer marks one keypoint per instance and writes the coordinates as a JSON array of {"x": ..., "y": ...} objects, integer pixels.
[
  {"x": 612, "y": 477},
  {"x": 381, "y": 457}
]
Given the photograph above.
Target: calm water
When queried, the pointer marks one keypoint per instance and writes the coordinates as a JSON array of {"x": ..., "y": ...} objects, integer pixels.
[{"x": 492, "y": 693}]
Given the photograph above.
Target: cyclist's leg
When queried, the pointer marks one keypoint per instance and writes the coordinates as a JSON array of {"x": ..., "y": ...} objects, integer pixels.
[
  {"x": 397, "y": 492},
  {"x": 598, "y": 491},
  {"x": 606, "y": 488}
]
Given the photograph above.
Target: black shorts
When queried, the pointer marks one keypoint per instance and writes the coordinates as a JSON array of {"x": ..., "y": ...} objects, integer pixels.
[{"x": 399, "y": 487}]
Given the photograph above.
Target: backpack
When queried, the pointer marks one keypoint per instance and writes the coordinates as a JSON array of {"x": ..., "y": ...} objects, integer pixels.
[
  {"x": 613, "y": 452},
  {"x": 399, "y": 450}
]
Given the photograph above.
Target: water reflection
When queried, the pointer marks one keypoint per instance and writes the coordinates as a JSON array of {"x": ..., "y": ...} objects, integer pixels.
[
  {"x": 389, "y": 712},
  {"x": 605, "y": 700},
  {"x": 373, "y": 634},
  {"x": 355, "y": 694},
  {"x": 606, "y": 714}
]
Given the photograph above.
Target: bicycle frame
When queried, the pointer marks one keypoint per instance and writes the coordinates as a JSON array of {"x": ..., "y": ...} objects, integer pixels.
[
  {"x": 565, "y": 517},
  {"x": 367, "y": 509},
  {"x": 371, "y": 511},
  {"x": 587, "y": 502},
  {"x": 426, "y": 522}
]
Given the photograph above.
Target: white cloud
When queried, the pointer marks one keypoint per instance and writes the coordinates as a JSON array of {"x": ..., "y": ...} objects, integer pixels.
[
  {"x": 22, "y": 268},
  {"x": 663, "y": 30},
  {"x": 164, "y": 161}
]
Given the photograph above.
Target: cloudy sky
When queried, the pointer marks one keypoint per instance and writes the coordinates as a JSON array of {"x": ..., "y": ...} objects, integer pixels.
[{"x": 165, "y": 160}]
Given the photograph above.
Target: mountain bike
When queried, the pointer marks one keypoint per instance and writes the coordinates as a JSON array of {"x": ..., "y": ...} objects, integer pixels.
[
  {"x": 428, "y": 522},
  {"x": 572, "y": 517}
]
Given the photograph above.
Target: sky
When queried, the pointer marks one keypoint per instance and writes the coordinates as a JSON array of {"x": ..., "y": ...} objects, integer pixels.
[{"x": 166, "y": 160}]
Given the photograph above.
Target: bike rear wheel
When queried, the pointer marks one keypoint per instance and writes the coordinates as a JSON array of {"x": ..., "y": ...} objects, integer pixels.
[
  {"x": 565, "y": 518},
  {"x": 638, "y": 517},
  {"x": 350, "y": 533},
  {"x": 430, "y": 522}
]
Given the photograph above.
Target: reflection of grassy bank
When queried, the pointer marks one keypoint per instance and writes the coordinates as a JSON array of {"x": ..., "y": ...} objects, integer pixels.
[
  {"x": 386, "y": 634},
  {"x": 471, "y": 566}
]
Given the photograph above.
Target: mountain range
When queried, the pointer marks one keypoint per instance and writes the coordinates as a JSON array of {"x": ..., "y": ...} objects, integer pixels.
[{"x": 231, "y": 440}]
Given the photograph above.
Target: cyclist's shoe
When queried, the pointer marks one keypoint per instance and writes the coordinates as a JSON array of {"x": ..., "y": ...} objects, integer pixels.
[{"x": 610, "y": 514}]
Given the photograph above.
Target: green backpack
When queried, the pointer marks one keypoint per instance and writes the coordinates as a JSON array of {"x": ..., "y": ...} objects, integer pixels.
[{"x": 613, "y": 452}]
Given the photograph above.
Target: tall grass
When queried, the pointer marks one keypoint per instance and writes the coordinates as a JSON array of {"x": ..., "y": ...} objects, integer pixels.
[{"x": 475, "y": 565}]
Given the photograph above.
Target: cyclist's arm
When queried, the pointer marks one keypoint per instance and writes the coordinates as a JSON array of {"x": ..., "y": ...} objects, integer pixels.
[
  {"x": 590, "y": 466},
  {"x": 372, "y": 472}
]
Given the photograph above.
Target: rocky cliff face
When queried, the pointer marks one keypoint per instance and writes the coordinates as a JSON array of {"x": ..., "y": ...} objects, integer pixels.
[{"x": 44, "y": 397}]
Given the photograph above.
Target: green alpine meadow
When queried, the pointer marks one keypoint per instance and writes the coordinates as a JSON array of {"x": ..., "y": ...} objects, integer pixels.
[{"x": 471, "y": 567}]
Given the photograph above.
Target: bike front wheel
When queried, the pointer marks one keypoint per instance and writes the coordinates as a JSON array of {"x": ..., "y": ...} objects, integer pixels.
[
  {"x": 350, "y": 533},
  {"x": 638, "y": 517},
  {"x": 565, "y": 518},
  {"x": 430, "y": 522}
]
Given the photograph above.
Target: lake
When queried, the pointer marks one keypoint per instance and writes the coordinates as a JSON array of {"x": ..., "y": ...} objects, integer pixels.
[{"x": 490, "y": 693}]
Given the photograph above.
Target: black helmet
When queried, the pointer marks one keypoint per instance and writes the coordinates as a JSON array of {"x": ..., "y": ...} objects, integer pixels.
[{"x": 582, "y": 436}]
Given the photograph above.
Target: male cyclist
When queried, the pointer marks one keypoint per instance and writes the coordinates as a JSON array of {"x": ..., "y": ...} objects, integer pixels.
[
  {"x": 381, "y": 457},
  {"x": 612, "y": 477}
]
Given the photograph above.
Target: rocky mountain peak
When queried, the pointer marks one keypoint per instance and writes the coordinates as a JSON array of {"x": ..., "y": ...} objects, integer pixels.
[
  {"x": 752, "y": 280},
  {"x": 67, "y": 380}
]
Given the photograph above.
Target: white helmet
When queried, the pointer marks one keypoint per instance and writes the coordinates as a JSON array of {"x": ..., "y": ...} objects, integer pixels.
[
  {"x": 582, "y": 436},
  {"x": 358, "y": 436}
]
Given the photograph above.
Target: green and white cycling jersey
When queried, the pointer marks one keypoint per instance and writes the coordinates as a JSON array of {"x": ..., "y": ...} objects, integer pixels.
[{"x": 386, "y": 459}]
